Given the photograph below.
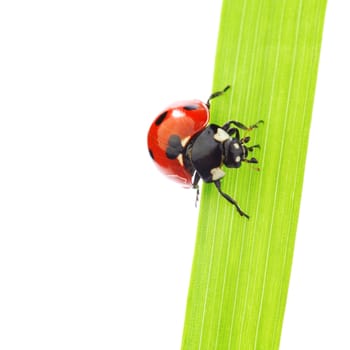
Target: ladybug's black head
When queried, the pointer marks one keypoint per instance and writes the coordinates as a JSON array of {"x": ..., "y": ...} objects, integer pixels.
[{"x": 234, "y": 153}]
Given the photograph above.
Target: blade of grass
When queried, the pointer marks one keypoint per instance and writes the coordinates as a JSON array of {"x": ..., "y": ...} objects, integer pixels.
[{"x": 268, "y": 50}]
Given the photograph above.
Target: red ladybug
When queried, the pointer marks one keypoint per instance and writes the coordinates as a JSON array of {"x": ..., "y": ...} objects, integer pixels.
[{"x": 187, "y": 149}]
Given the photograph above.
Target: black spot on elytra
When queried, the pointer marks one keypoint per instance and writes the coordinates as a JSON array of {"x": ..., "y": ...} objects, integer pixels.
[
  {"x": 174, "y": 147},
  {"x": 160, "y": 119},
  {"x": 151, "y": 153},
  {"x": 191, "y": 107}
]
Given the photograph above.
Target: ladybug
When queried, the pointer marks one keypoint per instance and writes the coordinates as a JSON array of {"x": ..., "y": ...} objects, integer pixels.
[{"x": 186, "y": 148}]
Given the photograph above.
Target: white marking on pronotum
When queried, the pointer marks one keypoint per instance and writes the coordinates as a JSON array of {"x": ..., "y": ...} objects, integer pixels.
[
  {"x": 221, "y": 135},
  {"x": 236, "y": 145},
  {"x": 237, "y": 159},
  {"x": 217, "y": 173}
]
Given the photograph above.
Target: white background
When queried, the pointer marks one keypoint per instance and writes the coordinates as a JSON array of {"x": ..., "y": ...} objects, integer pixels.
[{"x": 95, "y": 245}]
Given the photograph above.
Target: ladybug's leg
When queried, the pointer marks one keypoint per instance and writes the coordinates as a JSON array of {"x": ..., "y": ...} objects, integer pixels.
[
  {"x": 231, "y": 200},
  {"x": 196, "y": 179},
  {"x": 231, "y": 131},
  {"x": 234, "y": 132},
  {"x": 216, "y": 94},
  {"x": 251, "y": 148},
  {"x": 251, "y": 160},
  {"x": 246, "y": 140},
  {"x": 244, "y": 127}
]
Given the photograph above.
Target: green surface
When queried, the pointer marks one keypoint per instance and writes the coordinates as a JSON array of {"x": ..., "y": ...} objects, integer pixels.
[{"x": 268, "y": 51}]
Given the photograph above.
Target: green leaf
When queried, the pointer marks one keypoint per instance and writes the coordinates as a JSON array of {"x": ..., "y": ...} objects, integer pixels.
[{"x": 268, "y": 51}]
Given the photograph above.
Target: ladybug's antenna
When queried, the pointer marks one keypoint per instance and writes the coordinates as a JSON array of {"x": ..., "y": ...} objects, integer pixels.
[{"x": 217, "y": 94}]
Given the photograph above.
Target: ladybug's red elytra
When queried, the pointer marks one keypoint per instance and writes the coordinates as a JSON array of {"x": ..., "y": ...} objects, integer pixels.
[{"x": 186, "y": 148}]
